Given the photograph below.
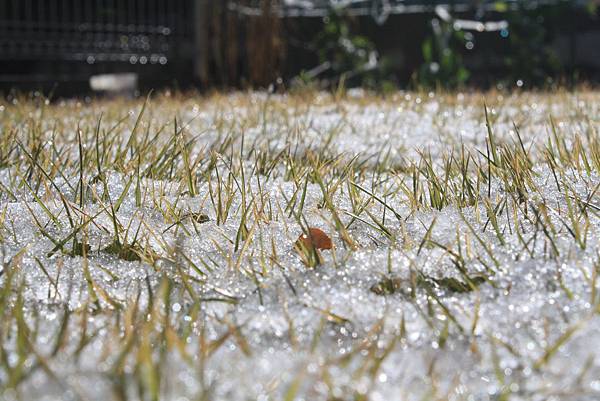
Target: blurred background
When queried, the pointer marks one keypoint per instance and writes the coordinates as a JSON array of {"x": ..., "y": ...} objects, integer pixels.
[{"x": 67, "y": 47}]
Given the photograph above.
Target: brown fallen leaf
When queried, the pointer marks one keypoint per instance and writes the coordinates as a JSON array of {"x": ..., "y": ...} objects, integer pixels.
[
  {"x": 315, "y": 239},
  {"x": 308, "y": 246}
]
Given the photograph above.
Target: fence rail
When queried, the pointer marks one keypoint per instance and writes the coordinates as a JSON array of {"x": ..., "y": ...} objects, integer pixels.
[{"x": 379, "y": 10}]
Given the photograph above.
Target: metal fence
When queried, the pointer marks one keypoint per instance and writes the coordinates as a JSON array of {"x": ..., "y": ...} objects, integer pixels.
[
  {"x": 134, "y": 31},
  {"x": 68, "y": 40}
]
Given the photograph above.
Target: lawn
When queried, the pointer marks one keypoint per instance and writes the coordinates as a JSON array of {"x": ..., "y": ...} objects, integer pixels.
[{"x": 166, "y": 248}]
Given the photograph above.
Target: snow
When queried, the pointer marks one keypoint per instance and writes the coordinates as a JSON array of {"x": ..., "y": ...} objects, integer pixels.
[{"x": 321, "y": 329}]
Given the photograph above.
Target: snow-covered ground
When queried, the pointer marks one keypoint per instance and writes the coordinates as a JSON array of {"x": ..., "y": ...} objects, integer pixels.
[{"x": 172, "y": 275}]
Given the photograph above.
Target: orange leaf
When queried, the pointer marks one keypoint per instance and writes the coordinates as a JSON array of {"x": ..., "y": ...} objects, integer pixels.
[{"x": 316, "y": 238}]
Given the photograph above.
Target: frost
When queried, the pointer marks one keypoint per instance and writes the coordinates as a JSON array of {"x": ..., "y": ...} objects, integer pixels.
[{"x": 209, "y": 303}]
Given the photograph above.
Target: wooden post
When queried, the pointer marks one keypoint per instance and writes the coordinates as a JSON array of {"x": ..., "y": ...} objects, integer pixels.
[{"x": 201, "y": 51}]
